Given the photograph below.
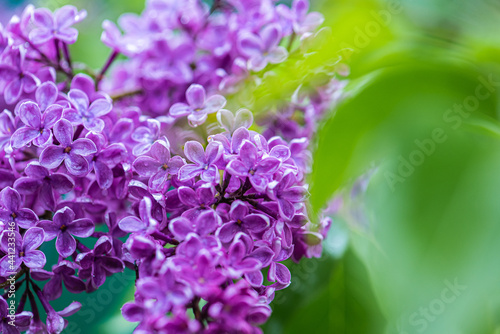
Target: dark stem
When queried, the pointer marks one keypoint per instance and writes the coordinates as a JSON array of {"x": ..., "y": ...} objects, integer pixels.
[
  {"x": 246, "y": 186},
  {"x": 17, "y": 286},
  {"x": 227, "y": 179},
  {"x": 46, "y": 60},
  {"x": 58, "y": 51},
  {"x": 34, "y": 307},
  {"x": 22, "y": 301},
  {"x": 81, "y": 247},
  {"x": 196, "y": 311},
  {"x": 123, "y": 95},
  {"x": 67, "y": 56},
  {"x": 19, "y": 274},
  {"x": 105, "y": 68},
  {"x": 263, "y": 208}
]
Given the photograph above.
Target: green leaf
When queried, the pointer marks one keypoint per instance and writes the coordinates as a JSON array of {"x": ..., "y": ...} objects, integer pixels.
[{"x": 389, "y": 109}]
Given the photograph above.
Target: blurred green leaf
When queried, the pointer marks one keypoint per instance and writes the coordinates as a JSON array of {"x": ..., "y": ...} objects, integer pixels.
[{"x": 327, "y": 296}]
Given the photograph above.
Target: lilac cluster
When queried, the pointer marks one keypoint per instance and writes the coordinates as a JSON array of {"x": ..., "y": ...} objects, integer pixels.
[{"x": 145, "y": 169}]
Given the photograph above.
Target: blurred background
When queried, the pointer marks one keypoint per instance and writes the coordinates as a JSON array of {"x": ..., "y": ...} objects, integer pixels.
[{"x": 411, "y": 159}]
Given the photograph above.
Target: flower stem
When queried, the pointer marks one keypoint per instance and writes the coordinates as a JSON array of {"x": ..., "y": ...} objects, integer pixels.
[
  {"x": 123, "y": 95},
  {"x": 105, "y": 68}
]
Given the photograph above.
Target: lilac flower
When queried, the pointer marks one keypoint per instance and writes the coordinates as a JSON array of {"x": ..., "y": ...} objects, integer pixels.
[
  {"x": 25, "y": 250},
  {"x": 199, "y": 200},
  {"x": 206, "y": 223},
  {"x": 250, "y": 165},
  {"x": 37, "y": 126},
  {"x": 171, "y": 292},
  {"x": 64, "y": 271},
  {"x": 69, "y": 151},
  {"x": 85, "y": 113},
  {"x": 286, "y": 193},
  {"x": 7, "y": 128},
  {"x": 232, "y": 307},
  {"x": 86, "y": 84},
  {"x": 263, "y": 49},
  {"x": 242, "y": 221},
  {"x": 56, "y": 26},
  {"x": 41, "y": 182},
  {"x": 204, "y": 162},
  {"x": 98, "y": 263},
  {"x": 301, "y": 21},
  {"x": 160, "y": 166},
  {"x": 105, "y": 159},
  {"x": 64, "y": 227},
  {"x": 145, "y": 223},
  {"x": 198, "y": 106},
  {"x": 128, "y": 45},
  {"x": 20, "y": 320},
  {"x": 199, "y": 235},
  {"x": 204, "y": 277},
  {"x": 145, "y": 136},
  {"x": 11, "y": 210},
  {"x": 242, "y": 118},
  {"x": 14, "y": 74},
  {"x": 181, "y": 322}
]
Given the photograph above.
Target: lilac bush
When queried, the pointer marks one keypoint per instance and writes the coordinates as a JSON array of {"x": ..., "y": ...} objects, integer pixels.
[{"x": 140, "y": 167}]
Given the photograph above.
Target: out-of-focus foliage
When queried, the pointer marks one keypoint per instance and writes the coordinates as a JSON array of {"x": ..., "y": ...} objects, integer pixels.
[{"x": 422, "y": 115}]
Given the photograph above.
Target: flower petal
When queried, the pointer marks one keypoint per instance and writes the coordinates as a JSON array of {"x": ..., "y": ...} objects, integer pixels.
[
  {"x": 34, "y": 259},
  {"x": 30, "y": 114},
  {"x": 195, "y": 95},
  {"x": 100, "y": 107},
  {"x": 82, "y": 228},
  {"x": 65, "y": 244},
  {"x": 76, "y": 164},
  {"x": 63, "y": 131},
  {"x": 52, "y": 156},
  {"x": 83, "y": 146},
  {"x": 46, "y": 95},
  {"x": 179, "y": 110},
  {"x": 23, "y": 136}
]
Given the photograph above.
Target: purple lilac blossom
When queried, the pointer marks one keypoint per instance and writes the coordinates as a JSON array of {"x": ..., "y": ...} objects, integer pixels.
[{"x": 198, "y": 200}]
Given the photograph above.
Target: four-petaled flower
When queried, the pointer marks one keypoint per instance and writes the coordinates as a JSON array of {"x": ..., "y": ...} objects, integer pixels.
[
  {"x": 69, "y": 151},
  {"x": 21, "y": 321},
  {"x": 159, "y": 166},
  {"x": 206, "y": 223},
  {"x": 98, "y": 263},
  {"x": 242, "y": 221},
  {"x": 25, "y": 250},
  {"x": 249, "y": 164},
  {"x": 15, "y": 76},
  {"x": 64, "y": 227},
  {"x": 56, "y": 26},
  {"x": 86, "y": 113},
  {"x": 65, "y": 272},
  {"x": 286, "y": 193},
  {"x": 198, "y": 105},
  {"x": 11, "y": 210},
  {"x": 204, "y": 161},
  {"x": 39, "y": 181},
  {"x": 264, "y": 48},
  {"x": 37, "y": 126}
]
